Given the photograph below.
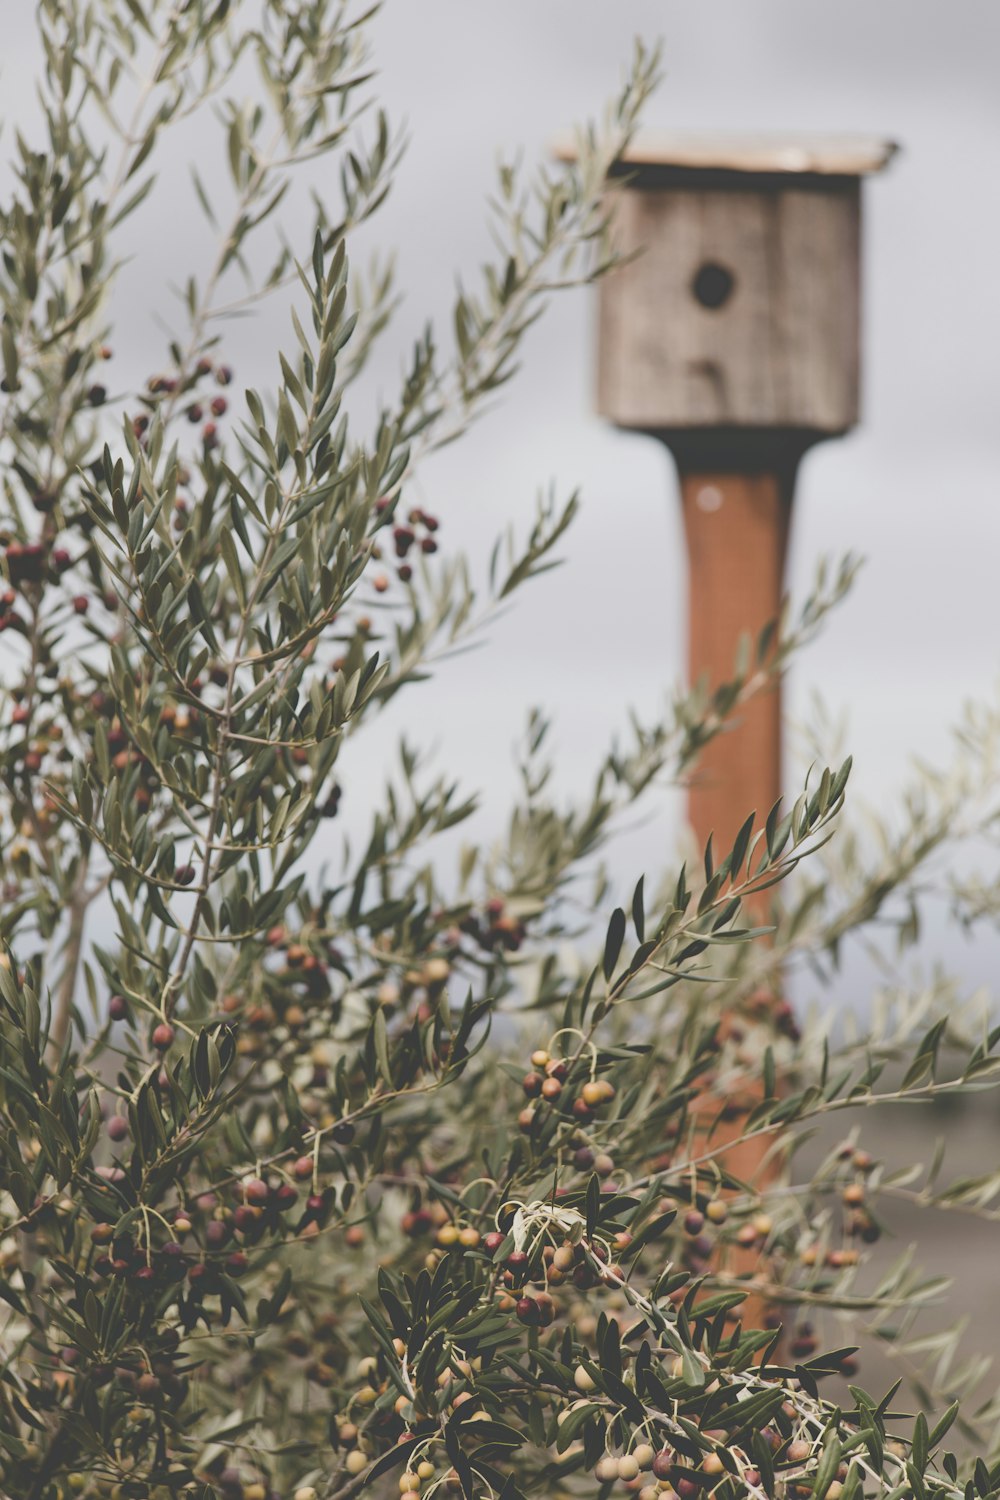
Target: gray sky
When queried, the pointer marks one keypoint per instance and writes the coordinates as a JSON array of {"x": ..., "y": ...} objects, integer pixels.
[{"x": 914, "y": 489}]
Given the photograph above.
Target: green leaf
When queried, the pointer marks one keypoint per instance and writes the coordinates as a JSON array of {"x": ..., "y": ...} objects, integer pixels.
[
  {"x": 613, "y": 941},
  {"x": 229, "y": 556},
  {"x": 593, "y": 1203},
  {"x": 638, "y": 910},
  {"x": 826, "y": 1471},
  {"x": 10, "y": 359},
  {"x": 693, "y": 1372},
  {"x": 390, "y": 1460},
  {"x": 941, "y": 1428},
  {"x": 381, "y": 1042},
  {"x": 740, "y": 847}
]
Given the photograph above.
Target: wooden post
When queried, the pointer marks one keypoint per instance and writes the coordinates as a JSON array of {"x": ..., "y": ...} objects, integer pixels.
[
  {"x": 733, "y": 337},
  {"x": 736, "y": 528}
]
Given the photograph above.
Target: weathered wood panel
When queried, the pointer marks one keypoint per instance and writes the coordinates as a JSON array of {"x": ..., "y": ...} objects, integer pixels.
[{"x": 780, "y": 349}]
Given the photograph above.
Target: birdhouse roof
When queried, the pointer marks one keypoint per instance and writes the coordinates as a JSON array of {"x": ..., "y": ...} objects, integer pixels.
[{"x": 794, "y": 154}]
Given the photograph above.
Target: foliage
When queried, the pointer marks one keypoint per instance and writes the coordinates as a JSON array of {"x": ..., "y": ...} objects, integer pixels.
[{"x": 312, "y": 1184}]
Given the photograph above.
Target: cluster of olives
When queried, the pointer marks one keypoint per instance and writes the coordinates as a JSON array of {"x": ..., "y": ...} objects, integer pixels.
[
  {"x": 126, "y": 755},
  {"x": 419, "y": 530},
  {"x": 857, "y": 1221},
  {"x": 497, "y": 930},
  {"x": 666, "y": 1473},
  {"x": 31, "y": 563},
  {"x": 210, "y": 1237},
  {"x": 200, "y": 408},
  {"x": 547, "y": 1083},
  {"x": 529, "y": 1276},
  {"x": 699, "y": 1245},
  {"x": 418, "y": 989},
  {"x": 453, "y": 1385}
]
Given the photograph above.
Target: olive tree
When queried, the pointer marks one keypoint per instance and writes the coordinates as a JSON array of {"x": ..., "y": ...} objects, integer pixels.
[{"x": 390, "y": 1176}]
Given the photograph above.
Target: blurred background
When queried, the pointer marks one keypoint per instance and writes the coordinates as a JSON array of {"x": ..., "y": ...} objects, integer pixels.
[{"x": 913, "y": 488}]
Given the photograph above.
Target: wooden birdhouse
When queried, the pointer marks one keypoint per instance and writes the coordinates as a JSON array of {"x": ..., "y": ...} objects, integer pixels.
[
  {"x": 732, "y": 335},
  {"x": 741, "y": 306}
]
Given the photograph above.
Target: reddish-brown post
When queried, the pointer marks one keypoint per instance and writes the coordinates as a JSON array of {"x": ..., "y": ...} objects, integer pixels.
[
  {"x": 732, "y": 335},
  {"x": 736, "y": 527}
]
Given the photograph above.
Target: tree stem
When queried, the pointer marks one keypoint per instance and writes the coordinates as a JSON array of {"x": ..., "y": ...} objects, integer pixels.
[{"x": 62, "y": 1009}]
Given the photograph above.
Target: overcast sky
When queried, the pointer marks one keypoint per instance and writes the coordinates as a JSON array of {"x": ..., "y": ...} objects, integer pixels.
[{"x": 914, "y": 488}]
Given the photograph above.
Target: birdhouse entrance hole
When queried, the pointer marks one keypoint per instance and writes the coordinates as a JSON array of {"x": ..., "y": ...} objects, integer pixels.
[{"x": 713, "y": 285}]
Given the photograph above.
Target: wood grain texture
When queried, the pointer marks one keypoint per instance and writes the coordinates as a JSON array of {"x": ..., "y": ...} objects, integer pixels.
[{"x": 782, "y": 349}]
